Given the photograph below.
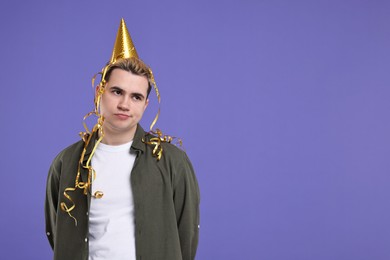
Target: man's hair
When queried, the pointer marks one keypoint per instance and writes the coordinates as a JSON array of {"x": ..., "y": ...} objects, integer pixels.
[{"x": 133, "y": 65}]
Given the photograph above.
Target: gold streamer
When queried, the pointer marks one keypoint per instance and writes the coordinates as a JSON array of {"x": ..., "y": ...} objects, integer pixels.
[
  {"x": 87, "y": 137},
  {"x": 98, "y": 128},
  {"x": 67, "y": 209},
  {"x": 156, "y": 141},
  {"x": 158, "y": 99},
  {"x": 159, "y": 136},
  {"x": 123, "y": 48}
]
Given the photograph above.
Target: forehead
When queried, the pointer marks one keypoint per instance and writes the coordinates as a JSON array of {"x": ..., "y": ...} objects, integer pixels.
[{"x": 127, "y": 80}]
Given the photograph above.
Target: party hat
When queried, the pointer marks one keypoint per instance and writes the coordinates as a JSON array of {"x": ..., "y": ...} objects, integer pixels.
[{"x": 124, "y": 47}]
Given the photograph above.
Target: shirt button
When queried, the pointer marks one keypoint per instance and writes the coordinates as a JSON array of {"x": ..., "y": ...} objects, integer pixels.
[
  {"x": 87, "y": 213},
  {"x": 86, "y": 239},
  {"x": 48, "y": 233},
  {"x": 198, "y": 226}
]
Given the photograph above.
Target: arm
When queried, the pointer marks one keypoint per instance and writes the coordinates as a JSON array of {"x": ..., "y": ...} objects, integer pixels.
[
  {"x": 51, "y": 202},
  {"x": 186, "y": 200}
]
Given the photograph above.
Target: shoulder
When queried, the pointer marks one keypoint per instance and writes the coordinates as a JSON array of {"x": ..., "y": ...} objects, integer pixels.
[
  {"x": 65, "y": 161},
  {"x": 171, "y": 152},
  {"x": 172, "y": 155},
  {"x": 69, "y": 153},
  {"x": 176, "y": 157},
  {"x": 180, "y": 167}
]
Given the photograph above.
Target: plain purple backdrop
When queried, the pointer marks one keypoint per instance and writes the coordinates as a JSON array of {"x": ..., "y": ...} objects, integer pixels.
[{"x": 283, "y": 107}]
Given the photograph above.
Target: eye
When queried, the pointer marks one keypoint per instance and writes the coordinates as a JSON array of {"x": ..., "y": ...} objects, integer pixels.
[
  {"x": 116, "y": 92},
  {"x": 137, "y": 97}
]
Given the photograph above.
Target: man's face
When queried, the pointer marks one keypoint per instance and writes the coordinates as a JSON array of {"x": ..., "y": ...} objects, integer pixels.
[{"x": 123, "y": 103}]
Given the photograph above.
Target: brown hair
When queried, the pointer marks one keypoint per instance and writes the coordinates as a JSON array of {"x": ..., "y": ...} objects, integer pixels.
[{"x": 133, "y": 65}]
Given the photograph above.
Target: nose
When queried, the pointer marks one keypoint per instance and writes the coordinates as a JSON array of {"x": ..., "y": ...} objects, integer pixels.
[{"x": 124, "y": 104}]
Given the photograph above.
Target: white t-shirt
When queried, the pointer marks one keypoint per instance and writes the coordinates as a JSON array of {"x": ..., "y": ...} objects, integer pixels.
[{"x": 111, "y": 218}]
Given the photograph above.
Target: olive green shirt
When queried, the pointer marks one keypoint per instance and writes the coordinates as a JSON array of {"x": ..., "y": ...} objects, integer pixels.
[{"x": 166, "y": 203}]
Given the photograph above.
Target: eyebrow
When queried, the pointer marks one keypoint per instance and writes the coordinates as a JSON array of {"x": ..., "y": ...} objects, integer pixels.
[{"x": 116, "y": 88}]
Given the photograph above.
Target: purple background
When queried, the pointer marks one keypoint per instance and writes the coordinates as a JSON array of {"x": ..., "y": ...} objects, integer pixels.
[{"x": 283, "y": 107}]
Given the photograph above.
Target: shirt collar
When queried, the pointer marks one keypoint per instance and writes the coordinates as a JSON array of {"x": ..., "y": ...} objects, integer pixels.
[
  {"x": 137, "y": 145},
  {"x": 137, "y": 140}
]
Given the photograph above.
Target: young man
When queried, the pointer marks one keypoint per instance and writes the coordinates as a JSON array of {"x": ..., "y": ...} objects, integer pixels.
[{"x": 121, "y": 193}]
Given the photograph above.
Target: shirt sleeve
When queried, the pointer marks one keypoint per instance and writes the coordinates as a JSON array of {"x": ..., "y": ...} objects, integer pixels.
[
  {"x": 51, "y": 201},
  {"x": 186, "y": 200}
]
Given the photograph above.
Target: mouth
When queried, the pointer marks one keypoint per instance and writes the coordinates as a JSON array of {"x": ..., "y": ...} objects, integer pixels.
[{"x": 122, "y": 116}]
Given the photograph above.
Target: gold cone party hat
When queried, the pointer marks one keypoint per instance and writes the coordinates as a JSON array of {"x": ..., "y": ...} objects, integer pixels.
[{"x": 124, "y": 47}]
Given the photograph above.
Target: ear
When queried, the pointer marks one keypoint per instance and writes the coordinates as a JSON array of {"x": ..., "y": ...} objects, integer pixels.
[
  {"x": 146, "y": 103},
  {"x": 98, "y": 89}
]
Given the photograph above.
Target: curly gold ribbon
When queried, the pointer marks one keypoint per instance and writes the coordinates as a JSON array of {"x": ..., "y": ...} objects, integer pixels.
[
  {"x": 87, "y": 136},
  {"x": 156, "y": 141},
  {"x": 158, "y": 99},
  {"x": 67, "y": 209},
  {"x": 159, "y": 136}
]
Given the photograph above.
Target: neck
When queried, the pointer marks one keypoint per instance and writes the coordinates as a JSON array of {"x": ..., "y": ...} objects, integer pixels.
[{"x": 112, "y": 137}]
